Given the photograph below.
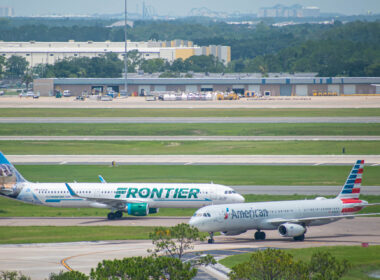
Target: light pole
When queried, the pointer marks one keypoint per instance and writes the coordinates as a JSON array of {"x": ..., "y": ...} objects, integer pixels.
[{"x": 125, "y": 49}]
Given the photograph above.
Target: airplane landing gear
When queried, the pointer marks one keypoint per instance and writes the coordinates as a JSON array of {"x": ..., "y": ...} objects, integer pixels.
[
  {"x": 211, "y": 239},
  {"x": 299, "y": 238},
  {"x": 260, "y": 235},
  {"x": 116, "y": 215}
]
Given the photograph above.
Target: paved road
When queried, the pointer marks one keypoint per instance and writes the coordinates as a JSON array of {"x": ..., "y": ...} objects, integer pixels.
[
  {"x": 286, "y": 102},
  {"x": 303, "y": 190},
  {"x": 190, "y": 138},
  {"x": 197, "y": 120},
  {"x": 195, "y": 159},
  {"x": 38, "y": 260},
  {"x": 92, "y": 221}
]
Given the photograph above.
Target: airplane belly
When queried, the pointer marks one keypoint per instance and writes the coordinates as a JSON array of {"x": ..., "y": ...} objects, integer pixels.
[{"x": 178, "y": 204}]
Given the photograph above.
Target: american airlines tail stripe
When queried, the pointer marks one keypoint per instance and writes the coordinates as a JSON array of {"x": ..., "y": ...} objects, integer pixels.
[
  {"x": 350, "y": 200},
  {"x": 356, "y": 190}
]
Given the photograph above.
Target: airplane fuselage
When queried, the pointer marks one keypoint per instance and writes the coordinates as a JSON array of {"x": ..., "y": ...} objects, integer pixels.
[
  {"x": 156, "y": 195},
  {"x": 268, "y": 215}
]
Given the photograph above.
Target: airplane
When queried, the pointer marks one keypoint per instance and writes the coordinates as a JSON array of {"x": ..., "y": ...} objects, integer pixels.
[
  {"x": 290, "y": 218},
  {"x": 136, "y": 199}
]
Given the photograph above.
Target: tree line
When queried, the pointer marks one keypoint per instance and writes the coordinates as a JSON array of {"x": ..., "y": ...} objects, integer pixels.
[{"x": 351, "y": 49}]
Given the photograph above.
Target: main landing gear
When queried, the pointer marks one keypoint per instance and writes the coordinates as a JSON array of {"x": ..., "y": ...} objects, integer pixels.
[
  {"x": 299, "y": 238},
  {"x": 259, "y": 235},
  {"x": 211, "y": 239},
  {"x": 115, "y": 215}
]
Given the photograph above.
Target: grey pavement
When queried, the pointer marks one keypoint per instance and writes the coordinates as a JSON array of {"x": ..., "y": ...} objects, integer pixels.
[
  {"x": 189, "y": 138},
  {"x": 302, "y": 190},
  {"x": 195, "y": 120},
  {"x": 38, "y": 260},
  {"x": 196, "y": 159}
]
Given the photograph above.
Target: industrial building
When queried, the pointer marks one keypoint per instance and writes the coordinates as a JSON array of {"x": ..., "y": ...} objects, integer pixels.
[
  {"x": 292, "y": 11},
  {"x": 50, "y": 52},
  {"x": 240, "y": 83}
]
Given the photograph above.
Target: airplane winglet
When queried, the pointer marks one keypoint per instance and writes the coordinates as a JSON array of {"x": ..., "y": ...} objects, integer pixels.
[
  {"x": 71, "y": 191},
  {"x": 101, "y": 179}
]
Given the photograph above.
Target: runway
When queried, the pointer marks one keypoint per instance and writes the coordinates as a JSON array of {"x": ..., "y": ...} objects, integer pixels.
[
  {"x": 189, "y": 138},
  {"x": 140, "y": 102},
  {"x": 92, "y": 221},
  {"x": 38, "y": 260},
  {"x": 195, "y": 159},
  {"x": 195, "y": 120},
  {"x": 302, "y": 190}
]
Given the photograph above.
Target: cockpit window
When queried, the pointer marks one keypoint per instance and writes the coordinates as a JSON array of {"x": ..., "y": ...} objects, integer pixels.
[{"x": 229, "y": 192}]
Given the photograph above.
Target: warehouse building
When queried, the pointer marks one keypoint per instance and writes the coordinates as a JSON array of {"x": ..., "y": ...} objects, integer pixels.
[
  {"x": 50, "y": 52},
  {"x": 240, "y": 83}
]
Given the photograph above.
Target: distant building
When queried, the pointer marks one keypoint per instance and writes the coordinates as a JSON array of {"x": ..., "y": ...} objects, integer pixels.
[
  {"x": 7, "y": 12},
  {"x": 292, "y": 11},
  {"x": 302, "y": 84},
  {"x": 51, "y": 52}
]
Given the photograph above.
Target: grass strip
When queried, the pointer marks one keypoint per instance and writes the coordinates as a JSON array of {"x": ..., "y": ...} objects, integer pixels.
[
  {"x": 14, "y": 208},
  {"x": 188, "y": 112},
  {"x": 190, "y": 147},
  {"x": 48, "y": 234},
  {"x": 221, "y": 174},
  {"x": 182, "y": 129},
  {"x": 363, "y": 260}
]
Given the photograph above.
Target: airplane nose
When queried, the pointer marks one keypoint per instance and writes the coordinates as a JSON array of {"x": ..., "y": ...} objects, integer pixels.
[
  {"x": 240, "y": 198},
  {"x": 192, "y": 222}
]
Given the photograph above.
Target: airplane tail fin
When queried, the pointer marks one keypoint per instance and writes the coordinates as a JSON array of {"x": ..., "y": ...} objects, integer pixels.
[
  {"x": 8, "y": 173},
  {"x": 351, "y": 188}
]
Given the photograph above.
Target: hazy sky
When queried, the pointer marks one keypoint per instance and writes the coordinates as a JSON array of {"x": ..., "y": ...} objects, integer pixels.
[{"x": 180, "y": 7}]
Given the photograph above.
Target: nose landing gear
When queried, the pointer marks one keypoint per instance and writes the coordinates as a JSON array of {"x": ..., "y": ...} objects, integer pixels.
[{"x": 211, "y": 239}]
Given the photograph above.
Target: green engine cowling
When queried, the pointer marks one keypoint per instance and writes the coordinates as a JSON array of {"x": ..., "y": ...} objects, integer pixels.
[{"x": 138, "y": 209}]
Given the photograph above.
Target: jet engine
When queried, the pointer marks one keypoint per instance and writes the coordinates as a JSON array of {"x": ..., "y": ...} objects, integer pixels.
[
  {"x": 231, "y": 233},
  {"x": 138, "y": 209},
  {"x": 291, "y": 230}
]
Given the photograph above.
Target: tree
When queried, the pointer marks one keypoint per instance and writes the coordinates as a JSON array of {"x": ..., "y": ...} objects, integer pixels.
[
  {"x": 174, "y": 241},
  {"x": 140, "y": 268},
  {"x": 2, "y": 65},
  {"x": 13, "y": 275},
  {"x": 273, "y": 264},
  {"x": 269, "y": 264},
  {"x": 323, "y": 266},
  {"x": 16, "y": 66},
  {"x": 68, "y": 275},
  {"x": 27, "y": 79}
]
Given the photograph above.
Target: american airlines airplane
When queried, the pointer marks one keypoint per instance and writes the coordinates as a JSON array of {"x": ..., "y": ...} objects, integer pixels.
[
  {"x": 290, "y": 218},
  {"x": 137, "y": 199}
]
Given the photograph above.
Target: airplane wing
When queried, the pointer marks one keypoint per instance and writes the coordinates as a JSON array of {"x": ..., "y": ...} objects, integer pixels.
[
  {"x": 279, "y": 221},
  {"x": 116, "y": 203}
]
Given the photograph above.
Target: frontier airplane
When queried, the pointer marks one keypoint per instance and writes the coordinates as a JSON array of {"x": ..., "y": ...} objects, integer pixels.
[
  {"x": 290, "y": 218},
  {"x": 137, "y": 199}
]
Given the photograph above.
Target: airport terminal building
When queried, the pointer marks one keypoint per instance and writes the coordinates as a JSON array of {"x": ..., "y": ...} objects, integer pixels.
[{"x": 295, "y": 85}]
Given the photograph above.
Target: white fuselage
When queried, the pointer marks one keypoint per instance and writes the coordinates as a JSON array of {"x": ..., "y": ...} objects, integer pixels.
[
  {"x": 266, "y": 215},
  {"x": 156, "y": 195}
]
